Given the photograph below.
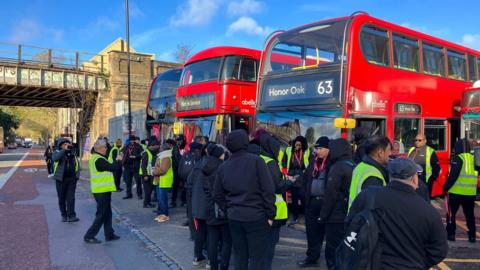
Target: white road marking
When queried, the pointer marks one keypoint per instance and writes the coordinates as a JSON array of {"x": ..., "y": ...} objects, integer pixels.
[{"x": 6, "y": 177}]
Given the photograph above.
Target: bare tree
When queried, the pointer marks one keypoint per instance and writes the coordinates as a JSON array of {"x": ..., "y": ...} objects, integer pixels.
[{"x": 183, "y": 52}]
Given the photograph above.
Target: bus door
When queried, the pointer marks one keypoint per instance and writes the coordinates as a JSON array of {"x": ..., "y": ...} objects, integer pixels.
[
  {"x": 375, "y": 126},
  {"x": 242, "y": 122}
]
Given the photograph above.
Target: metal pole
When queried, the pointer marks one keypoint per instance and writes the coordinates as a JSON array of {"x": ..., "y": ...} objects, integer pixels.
[{"x": 128, "y": 71}]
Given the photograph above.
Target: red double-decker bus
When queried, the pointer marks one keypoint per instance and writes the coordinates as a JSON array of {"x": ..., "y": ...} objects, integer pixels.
[
  {"x": 160, "y": 111},
  {"x": 390, "y": 79},
  {"x": 217, "y": 92}
]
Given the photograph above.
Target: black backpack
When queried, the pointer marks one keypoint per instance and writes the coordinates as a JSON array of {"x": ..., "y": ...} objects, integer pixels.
[
  {"x": 187, "y": 162},
  {"x": 361, "y": 247}
]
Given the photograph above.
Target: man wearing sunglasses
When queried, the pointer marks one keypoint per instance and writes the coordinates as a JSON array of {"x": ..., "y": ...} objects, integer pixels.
[{"x": 426, "y": 157}]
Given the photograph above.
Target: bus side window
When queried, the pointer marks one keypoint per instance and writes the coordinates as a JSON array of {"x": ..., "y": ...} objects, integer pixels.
[
  {"x": 435, "y": 131},
  {"x": 405, "y": 130},
  {"x": 374, "y": 44},
  {"x": 472, "y": 68},
  {"x": 248, "y": 70},
  {"x": 375, "y": 126},
  {"x": 433, "y": 61},
  {"x": 456, "y": 66}
]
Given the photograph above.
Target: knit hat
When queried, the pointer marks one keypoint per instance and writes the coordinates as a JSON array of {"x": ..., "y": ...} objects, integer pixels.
[
  {"x": 214, "y": 150},
  {"x": 195, "y": 146},
  {"x": 153, "y": 141},
  {"x": 322, "y": 142}
]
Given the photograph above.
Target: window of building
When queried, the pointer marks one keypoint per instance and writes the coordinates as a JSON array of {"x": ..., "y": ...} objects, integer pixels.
[
  {"x": 472, "y": 72},
  {"x": 433, "y": 61},
  {"x": 456, "y": 66},
  {"x": 374, "y": 44},
  {"x": 405, "y": 130},
  {"x": 248, "y": 70},
  {"x": 435, "y": 131},
  {"x": 231, "y": 67},
  {"x": 405, "y": 53}
]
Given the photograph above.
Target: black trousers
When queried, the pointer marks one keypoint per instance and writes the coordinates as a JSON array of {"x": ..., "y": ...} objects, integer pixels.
[
  {"x": 148, "y": 188},
  {"x": 273, "y": 238},
  {"x": 66, "y": 196},
  {"x": 219, "y": 237},
  {"x": 334, "y": 233},
  {"x": 200, "y": 238},
  {"x": 191, "y": 225},
  {"x": 129, "y": 174},
  {"x": 298, "y": 202},
  {"x": 49, "y": 166},
  {"x": 178, "y": 184},
  {"x": 468, "y": 205},
  {"x": 103, "y": 216},
  {"x": 249, "y": 240},
  {"x": 315, "y": 230},
  {"x": 117, "y": 176}
]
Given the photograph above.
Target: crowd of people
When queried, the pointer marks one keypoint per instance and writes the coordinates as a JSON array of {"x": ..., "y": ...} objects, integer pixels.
[{"x": 239, "y": 195}]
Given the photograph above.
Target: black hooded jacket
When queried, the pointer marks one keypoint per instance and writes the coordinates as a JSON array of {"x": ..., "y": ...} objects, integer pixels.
[
  {"x": 243, "y": 186},
  {"x": 461, "y": 146},
  {"x": 270, "y": 147},
  {"x": 334, "y": 208},
  {"x": 202, "y": 190}
]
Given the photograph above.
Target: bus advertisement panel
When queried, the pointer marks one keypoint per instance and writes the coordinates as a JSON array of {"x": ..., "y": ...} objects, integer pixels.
[{"x": 391, "y": 80}]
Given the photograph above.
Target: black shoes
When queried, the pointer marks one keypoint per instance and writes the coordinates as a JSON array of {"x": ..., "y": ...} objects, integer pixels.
[
  {"x": 173, "y": 205},
  {"x": 472, "y": 239},
  {"x": 182, "y": 204},
  {"x": 185, "y": 224},
  {"x": 149, "y": 205},
  {"x": 73, "y": 219},
  {"x": 112, "y": 238},
  {"x": 451, "y": 237},
  {"x": 307, "y": 263},
  {"x": 127, "y": 197},
  {"x": 64, "y": 219},
  {"x": 92, "y": 240},
  {"x": 140, "y": 197}
]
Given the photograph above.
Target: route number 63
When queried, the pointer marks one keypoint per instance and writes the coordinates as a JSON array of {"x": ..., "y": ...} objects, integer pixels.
[{"x": 325, "y": 87}]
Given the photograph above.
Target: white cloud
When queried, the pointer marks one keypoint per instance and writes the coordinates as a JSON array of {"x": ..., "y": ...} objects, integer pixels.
[
  {"x": 104, "y": 23},
  {"x": 28, "y": 30},
  {"x": 168, "y": 56},
  {"x": 440, "y": 32},
  {"x": 195, "y": 13},
  {"x": 248, "y": 25},
  {"x": 135, "y": 11},
  {"x": 245, "y": 7},
  {"x": 147, "y": 37},
  {"x": 471, "y": 41}
]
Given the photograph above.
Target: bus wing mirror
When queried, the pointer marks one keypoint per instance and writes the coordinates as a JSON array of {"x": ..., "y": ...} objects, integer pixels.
[
  {"x": 219, "y": 122},
  {"x": 177, "y": 127},
  {"x": 344, "y": 123}
]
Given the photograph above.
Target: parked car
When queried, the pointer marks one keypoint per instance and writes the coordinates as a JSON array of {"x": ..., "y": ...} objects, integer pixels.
[
  {"x": 27, "y": 143},
  {"x": 12, "y": 145}
]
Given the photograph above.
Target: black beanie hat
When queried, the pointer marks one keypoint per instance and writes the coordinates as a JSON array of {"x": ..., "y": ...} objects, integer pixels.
[
  {"x": 214, "y": 150},
  {"x": 322, "y": 142}
]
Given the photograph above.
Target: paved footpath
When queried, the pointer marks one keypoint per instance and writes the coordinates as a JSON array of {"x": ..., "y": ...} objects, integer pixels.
[{"x": 32, "y": 236}]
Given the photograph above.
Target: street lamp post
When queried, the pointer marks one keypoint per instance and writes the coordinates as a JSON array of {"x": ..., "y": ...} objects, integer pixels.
[{"x": 128, "y": 70}]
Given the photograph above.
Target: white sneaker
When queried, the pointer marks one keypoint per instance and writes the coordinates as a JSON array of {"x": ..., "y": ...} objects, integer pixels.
[{"x": 50, "y": 175}]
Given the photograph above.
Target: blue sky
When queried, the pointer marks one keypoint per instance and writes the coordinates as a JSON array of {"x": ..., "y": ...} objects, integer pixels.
[{"x": 158, "y": 26}]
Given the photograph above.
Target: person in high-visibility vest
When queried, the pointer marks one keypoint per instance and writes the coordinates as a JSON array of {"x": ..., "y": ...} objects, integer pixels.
[
  {"x": 149, "y": 157},
  {"x": 372, "y": 170},
  {"x": 66, "y": 173},
  {"x": 102, "y": 184},
  {"x": 112, "y": 155},
  {"x": 461, "y": 186},
  {"x": 315, "y": 178},
  {"x": 270, "y": 148},
  {"x": 426, "y": 157},
  {"x": 163, "y": 179},
  {"x": 295, "y": 161}
]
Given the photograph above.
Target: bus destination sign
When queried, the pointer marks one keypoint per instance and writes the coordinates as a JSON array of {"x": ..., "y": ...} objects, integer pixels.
[
  {"x": 406, "y": 108},
  {"x": 301, "y": 90},
  {"x": 196, "y": 102}
]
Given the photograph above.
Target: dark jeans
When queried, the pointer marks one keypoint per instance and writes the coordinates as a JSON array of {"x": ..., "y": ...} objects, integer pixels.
[
  {"x": 468, "y": 205},
  {"x": 249, "y": 240},
  {"x": 178, "y": 184},
  {"x": 66, "y": 196},
  {"x": 273, "y": 238},
  {"x": 191, "y": 226},
  {"x": 129, "y": 174},
  {"x": 49, "y": 166},
  {"x": 298, "y": 202},
  {"x": 162, "y": 197},
  {"x": 333, "y": 237},
  {"x": 219, "y": 236},
  {"x": 200, "y": 238},
  {"x": 103, "y": 216},
  {"x": 117, "y": 176},
  {"x": 315, "y": 230},
  {"x": 148, "y": 188}
]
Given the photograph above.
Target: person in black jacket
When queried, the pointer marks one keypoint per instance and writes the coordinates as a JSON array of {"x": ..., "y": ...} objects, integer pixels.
[
  {"x": 360, "y": 136},
  {"x": 48, "y": 159},
  {"x": 218, "y": 233},
  {"x": 334, "y": 209},
  {"x": 245, "y": 188},
  {"x": 147, "y": 174},
  {"x": 412, "y": 231},
  {"x": 461, "y": 192},
  {"x": 270, "y": 147},
  {"x": 315, "y": 178},
  {"x": 132, "y": 154},
  {"x": 177, "y": 151}
]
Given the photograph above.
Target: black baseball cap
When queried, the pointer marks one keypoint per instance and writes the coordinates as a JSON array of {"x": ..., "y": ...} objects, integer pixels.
[{"x": 403, "y": 168}]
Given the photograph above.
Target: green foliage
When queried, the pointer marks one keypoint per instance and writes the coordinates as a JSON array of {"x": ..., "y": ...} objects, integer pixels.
[{"x": 9, "y": 121}]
